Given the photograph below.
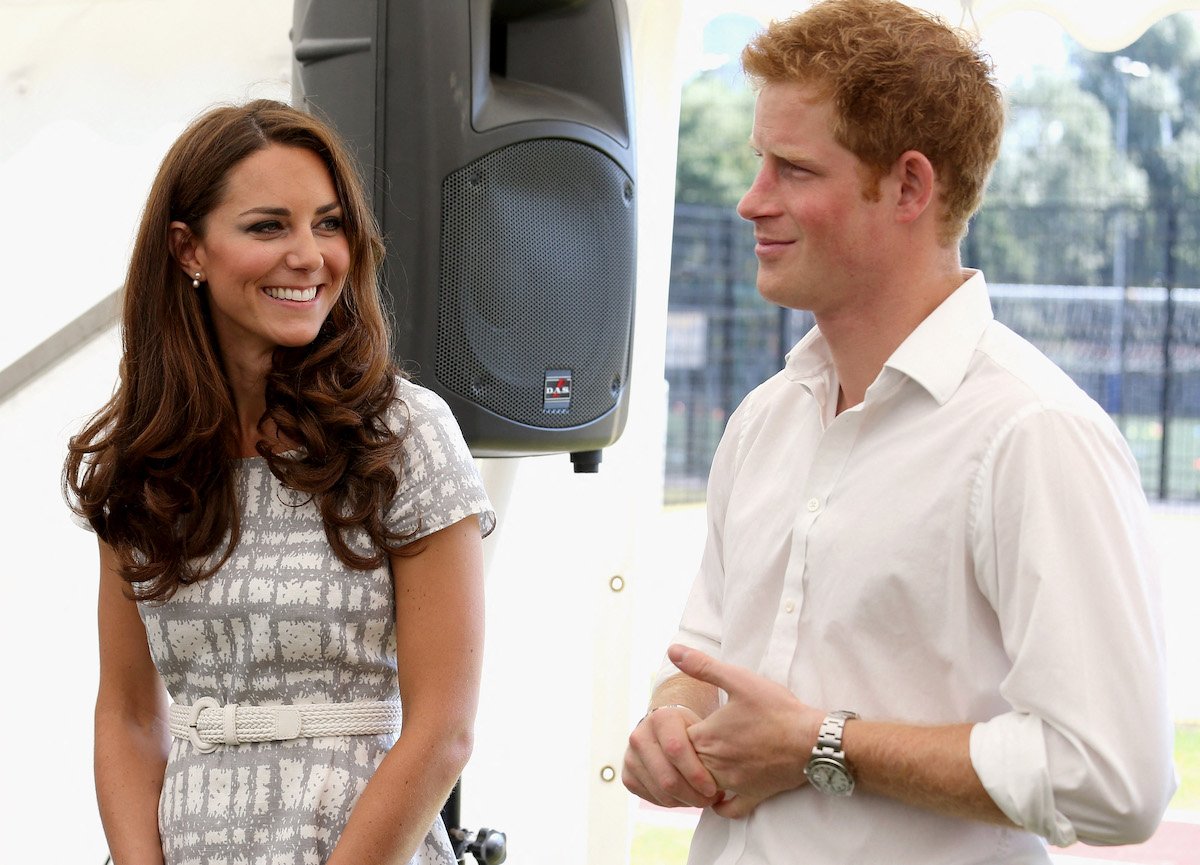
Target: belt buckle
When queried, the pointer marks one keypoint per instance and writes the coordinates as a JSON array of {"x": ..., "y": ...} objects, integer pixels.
[
  {"x": 287, "y": 723},
  {"x": 194, "y": 724}
]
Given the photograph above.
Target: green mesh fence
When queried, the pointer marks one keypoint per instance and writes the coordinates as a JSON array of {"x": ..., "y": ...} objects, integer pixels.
[{"x": 1133, "y": 342}]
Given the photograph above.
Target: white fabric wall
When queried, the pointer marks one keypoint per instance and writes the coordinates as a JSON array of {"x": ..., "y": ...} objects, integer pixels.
[{"x": 91, "y": 94}]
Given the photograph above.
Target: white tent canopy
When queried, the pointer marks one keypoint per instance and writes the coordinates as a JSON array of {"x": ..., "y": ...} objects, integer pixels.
[{"x": 1101, "y": 25}]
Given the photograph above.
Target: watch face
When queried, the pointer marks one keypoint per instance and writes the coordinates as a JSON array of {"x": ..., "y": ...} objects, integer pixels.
[{"x": 829, "y": 776}]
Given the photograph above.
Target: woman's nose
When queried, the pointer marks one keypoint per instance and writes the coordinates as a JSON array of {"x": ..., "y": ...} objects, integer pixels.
[{"x": 305, "y": 254}]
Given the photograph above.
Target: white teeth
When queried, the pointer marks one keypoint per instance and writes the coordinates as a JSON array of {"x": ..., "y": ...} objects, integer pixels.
[{"x": 299, "y": 294}]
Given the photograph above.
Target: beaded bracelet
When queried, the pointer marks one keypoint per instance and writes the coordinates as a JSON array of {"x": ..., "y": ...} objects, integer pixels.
[{"x": 667, "y": 706}]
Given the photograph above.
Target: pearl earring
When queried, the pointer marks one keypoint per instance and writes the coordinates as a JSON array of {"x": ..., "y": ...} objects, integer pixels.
[{"x": 196, "y": 280}]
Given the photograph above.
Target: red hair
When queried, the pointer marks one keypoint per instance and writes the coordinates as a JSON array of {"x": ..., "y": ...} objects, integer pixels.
[{"x": 899, "y": 79}]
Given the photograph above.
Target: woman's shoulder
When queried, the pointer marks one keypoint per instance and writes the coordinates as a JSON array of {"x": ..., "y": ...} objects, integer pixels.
[
  {"x": 408, "y": 390},
  {"x": 414, "y": 404},
  {"x": 440, "y": 481},
  {"x": 419, "y": 414}
]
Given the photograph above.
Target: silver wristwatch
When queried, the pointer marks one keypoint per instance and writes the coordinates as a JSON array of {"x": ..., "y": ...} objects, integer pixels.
[{"x": 827, "y": 769}]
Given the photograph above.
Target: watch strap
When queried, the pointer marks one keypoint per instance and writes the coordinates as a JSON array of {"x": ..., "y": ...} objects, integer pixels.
[{"x": 829, "y": 735}]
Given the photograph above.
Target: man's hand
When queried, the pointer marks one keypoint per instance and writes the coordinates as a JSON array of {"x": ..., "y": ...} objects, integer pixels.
[
  {"x": 757, "y": 744},
  {"x": 660, "y": 764}
]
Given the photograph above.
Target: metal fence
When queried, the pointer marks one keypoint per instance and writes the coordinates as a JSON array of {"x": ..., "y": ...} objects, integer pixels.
[{"x": 1132, "y": 343}]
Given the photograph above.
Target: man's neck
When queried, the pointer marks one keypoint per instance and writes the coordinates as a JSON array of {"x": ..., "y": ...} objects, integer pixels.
[{"x": 861, "y": 339}]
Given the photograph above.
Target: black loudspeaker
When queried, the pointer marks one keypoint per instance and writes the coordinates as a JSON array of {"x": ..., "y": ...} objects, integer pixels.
[{"x": 496, "y": 138}]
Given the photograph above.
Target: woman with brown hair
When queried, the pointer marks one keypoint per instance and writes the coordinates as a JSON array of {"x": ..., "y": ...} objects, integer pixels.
[{"x": 289, "y": 529}]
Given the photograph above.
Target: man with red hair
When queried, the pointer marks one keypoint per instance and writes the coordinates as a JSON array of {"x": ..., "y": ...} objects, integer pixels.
[{"x": 926, "y": 625}]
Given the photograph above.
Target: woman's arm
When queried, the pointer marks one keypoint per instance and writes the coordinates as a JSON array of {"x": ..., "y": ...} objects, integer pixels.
[
  {"x": 439, "y": 648},
  {"x": 132, "y": 737}
]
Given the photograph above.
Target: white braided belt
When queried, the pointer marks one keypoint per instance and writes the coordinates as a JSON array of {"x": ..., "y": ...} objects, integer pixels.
[{"x": 206, "y": 723}]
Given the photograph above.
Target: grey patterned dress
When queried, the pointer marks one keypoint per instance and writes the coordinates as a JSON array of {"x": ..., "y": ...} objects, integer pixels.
[{"x": 284, "y": 621}]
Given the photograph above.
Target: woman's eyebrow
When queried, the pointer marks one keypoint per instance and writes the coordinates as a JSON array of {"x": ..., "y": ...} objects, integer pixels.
[{"x": 283, "y": 211}]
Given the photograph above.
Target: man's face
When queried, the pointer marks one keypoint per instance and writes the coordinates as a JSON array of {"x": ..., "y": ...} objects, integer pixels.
[{"x": 819, "y": 240}]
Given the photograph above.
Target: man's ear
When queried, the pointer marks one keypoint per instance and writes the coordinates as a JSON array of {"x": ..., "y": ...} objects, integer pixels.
[
  {"x": 186, "y": 248},
  {"x": 917, "y": 185}
]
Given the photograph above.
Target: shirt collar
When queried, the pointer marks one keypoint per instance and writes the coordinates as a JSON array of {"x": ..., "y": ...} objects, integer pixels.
[
  {"x": 809, "y": 359},
  {"x": 937, "y": 353}
]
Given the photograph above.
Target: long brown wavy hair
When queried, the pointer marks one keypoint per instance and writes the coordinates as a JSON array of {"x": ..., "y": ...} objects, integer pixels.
[{"x": 154, "y": 470}]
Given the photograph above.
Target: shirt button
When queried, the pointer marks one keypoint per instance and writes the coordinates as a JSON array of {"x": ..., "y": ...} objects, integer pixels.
[
  {"x": 789, "y": 606},
  {"x": 814, "y": 504}
]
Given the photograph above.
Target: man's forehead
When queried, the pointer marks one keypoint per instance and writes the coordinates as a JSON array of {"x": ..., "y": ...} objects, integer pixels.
[
  {"x": 806, "y": 93},
  {"x": 789, "y": 113}
]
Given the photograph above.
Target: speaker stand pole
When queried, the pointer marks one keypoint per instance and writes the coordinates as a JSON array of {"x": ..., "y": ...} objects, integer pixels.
[{"x": 488, "y": 846}]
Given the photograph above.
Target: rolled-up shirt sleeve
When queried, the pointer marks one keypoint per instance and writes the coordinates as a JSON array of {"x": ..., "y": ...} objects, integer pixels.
[{"x": 1063, "y": 554}]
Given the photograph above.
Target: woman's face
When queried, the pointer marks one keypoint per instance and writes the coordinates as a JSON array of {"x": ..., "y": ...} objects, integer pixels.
[{"x": 274, "y": 254}]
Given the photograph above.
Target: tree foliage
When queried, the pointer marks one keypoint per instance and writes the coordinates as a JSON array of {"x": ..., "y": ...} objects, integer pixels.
[
  {"x": 1161, "y": 106},
  {"x": 1058, "y": 149},
  {"x": 1046, "y": 217},
  {"x": 716, "y": 164}
]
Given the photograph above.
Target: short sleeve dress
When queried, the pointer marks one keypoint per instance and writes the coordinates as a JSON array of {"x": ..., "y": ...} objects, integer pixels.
[{"x": 285, "y": 622}]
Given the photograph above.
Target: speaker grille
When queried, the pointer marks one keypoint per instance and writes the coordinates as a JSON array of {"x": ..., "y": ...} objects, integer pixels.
[{"x": 537, "y": 274}]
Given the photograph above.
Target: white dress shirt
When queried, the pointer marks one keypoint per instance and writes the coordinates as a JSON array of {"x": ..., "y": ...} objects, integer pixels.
[{"x": 969, "y": 544}]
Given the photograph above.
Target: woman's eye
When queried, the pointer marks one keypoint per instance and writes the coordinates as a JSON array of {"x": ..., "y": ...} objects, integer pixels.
[
  {"x": 330, "y": 223},
  {"x": 268, "y": 227}
]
